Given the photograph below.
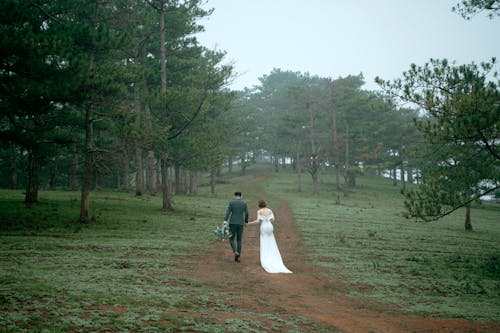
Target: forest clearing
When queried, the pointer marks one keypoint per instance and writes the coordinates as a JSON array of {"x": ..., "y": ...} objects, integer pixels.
[
  {"x": 366, "y": 132},
  {"x": 359, "y": 266}
]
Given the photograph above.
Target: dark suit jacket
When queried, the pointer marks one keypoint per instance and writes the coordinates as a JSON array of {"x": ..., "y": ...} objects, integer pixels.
[{"x": 238, "y": 211}]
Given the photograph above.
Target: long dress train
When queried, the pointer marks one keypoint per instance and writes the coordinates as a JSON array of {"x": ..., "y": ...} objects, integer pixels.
[{"x": 270, "y": 256}]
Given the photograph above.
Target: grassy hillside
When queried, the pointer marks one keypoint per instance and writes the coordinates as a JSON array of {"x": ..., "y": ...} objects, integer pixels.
[
  {"x": 436, "y": 268},
  {"x": 130, "y": 269}
]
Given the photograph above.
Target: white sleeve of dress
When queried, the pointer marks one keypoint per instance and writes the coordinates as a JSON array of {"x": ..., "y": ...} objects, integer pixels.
[
  {"x": 271, "y": 217},
  {"x": 260, "y": 217}
]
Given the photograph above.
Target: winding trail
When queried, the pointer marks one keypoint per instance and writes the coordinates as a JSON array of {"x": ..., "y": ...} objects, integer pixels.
[{"x": 309, "y": 291}]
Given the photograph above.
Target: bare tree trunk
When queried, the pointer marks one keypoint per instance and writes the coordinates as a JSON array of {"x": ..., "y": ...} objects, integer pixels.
[
  {"x": 158, "y": 175},
  {"x": 13, "y": 166},
  {"x": 53, "y": 173},
  {"x": 166, "y": 193},
  {"x": 298, "y": 166},
  {"x": 151, "y": 173},
  {"x": 468, "y": 223},
  {"x": 193, "y": 182},
  {"x": 183, "y": 183},
  {"x": 336, "y": 150},
  {"x": 314, "y": 174},
  {"x": 177, "y": 178},
  {"x": 163, "y": 52},
  {"x": 89, "y": 146},
  {"x": 180, "y": 180},
  {"x": 314, "y": 168},
  {"x": 126, "y": 168},
  {"x": 346, "y": 166},
  {"x": 73, "y": 183},
  {"x": 31, "y": 195},
  {"x": 87, "y": 166},
  {"x": 165, "y": 187},
  {"x": 243, "y": 163},
  {"x": 150, "y": 160},
  {"x": 139, "y": 170}
]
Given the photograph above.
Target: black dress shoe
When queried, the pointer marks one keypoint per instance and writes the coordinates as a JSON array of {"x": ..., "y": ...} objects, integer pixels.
[{"x": 237, "y": 257}]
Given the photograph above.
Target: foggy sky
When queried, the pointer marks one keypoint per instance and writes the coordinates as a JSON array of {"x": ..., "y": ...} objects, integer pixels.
[{"x": 333, "y": 38}]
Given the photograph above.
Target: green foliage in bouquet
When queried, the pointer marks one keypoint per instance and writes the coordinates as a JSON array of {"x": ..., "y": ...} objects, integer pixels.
[{"x": 222, "y": 232}]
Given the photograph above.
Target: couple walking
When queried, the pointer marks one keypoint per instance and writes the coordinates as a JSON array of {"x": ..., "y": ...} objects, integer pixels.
[{"x": 237, "y": 213}]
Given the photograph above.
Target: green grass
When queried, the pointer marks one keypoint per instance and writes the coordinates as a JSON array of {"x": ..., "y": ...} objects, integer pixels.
[
  {"x": 129, "y": 271},
  {"x": 116, "y": 274},
  {"x": 434, "y": 269}
]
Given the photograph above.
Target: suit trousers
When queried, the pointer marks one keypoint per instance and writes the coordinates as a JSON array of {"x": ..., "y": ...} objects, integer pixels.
[{"x": 236, "y": 231}]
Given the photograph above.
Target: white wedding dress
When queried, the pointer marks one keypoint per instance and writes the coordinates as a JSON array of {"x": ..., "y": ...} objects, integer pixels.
[{"x": 270, "y": 257}]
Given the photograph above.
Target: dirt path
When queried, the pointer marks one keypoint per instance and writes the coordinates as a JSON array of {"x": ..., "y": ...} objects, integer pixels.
[{"x": 309, "y": 291}]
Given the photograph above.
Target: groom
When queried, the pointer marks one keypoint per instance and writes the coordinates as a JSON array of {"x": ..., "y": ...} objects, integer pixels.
[{"x": 237, "y": 211}]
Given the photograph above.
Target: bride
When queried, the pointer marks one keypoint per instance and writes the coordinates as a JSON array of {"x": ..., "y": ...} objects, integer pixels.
[{"x": 270, "y": 257}]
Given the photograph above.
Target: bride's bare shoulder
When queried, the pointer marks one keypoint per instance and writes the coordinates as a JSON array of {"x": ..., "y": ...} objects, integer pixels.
[{"x": 264, "y": 211}]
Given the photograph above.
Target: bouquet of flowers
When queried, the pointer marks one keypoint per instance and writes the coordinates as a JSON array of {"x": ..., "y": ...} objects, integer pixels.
[{"x": 222, "y": 232}]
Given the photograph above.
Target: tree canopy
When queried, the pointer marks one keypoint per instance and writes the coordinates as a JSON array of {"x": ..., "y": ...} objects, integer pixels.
[
  {"x": 84, "y": 78},
  {"x": 461, "y": 129},
  {"x": 468, "y": 8}
]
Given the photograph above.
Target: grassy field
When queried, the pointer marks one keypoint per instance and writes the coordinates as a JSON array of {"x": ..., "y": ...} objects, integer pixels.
[
  {"x": 127, "y": 271},
  {"x": 434, "y": 269}
]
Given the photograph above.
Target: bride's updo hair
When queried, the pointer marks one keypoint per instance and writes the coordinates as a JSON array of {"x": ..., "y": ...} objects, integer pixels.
[{"x": 262, "y": 204}]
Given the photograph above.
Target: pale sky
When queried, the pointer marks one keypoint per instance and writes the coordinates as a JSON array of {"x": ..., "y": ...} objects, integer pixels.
[{"x": 333, "y": 38}]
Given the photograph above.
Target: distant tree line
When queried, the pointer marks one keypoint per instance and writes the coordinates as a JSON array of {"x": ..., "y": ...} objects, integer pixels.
[
  {"x": 444, "y": 136},
  {"x": 318, "y": 123}
]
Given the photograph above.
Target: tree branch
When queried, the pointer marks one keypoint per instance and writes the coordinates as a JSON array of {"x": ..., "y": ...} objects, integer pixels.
[
  {"x": 435, "y": 218},
  {"x": 488, "y": 146},
  {"x": 198, "y": 110},
  {"x": 44, "y": 12}
]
